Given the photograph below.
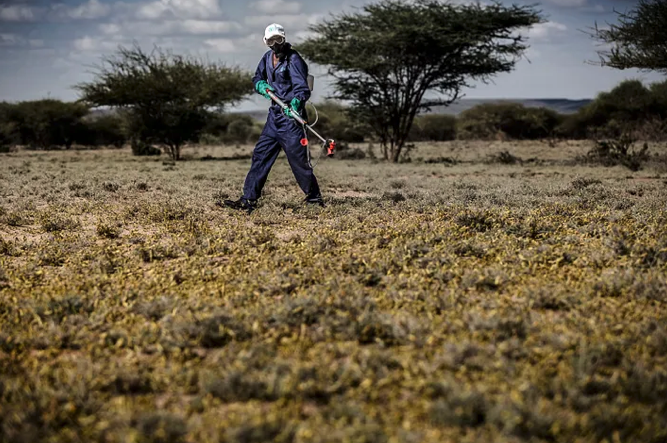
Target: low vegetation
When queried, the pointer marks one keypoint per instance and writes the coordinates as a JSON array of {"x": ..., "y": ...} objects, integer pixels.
[
  {"x": 496, "y": 290},
  {"x": 458, "y": 297},
  {"x": 631, "y": 111}
]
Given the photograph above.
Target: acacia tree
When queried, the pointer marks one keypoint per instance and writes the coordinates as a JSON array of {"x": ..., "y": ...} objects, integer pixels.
[
  {"x": 387, "y": 59},
  {"x": 167, "y": 97},
  {"x": 639, "y": 40}
]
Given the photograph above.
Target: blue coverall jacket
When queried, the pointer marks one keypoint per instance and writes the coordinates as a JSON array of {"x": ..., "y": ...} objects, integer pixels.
[{"x": 288, "y": 79}]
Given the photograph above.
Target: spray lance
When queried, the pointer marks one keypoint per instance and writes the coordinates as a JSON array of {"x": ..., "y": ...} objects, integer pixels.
[{"x": 329, "y": 144}]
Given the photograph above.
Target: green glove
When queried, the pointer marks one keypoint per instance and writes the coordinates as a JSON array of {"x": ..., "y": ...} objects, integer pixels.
[
  {"x": 261, "y": 87},
  {"x": 294, "y": 107}
]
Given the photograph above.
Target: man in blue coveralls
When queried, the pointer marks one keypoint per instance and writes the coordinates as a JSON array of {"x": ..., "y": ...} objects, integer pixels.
[{"x": 283, "y": 71}]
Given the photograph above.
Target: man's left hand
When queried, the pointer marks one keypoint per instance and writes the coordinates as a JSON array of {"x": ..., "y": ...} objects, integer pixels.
[{"x": 294, "y": 107}]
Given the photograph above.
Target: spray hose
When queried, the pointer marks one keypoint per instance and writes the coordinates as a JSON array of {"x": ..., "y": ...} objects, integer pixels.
[{"x": 329, "y": 144}]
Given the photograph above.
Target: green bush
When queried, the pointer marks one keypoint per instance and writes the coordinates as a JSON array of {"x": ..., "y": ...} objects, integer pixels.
[
  {"x": 629, "y": 100},
  {"x": 433, "y": 127},
  {"x": 512, "y": 120},
  {"x": 239, "y": 130},
  {"x": 344, "y": 152},
  {"x": 141, "y": 148},
  {"x": 44, "y": 124},
  {"x": 255, "y": 132},
  {"x": 619, "y": 152},
  {"x": 216, "y": 126},
  {"x": 7, "y": 138},
  {"x": 574, "y": 126},
  {"x": 629, "y": 108},
  {"x": 659, "y": 94},
  {"x": 8, "y": 130},
  {"x": 103, "y": 130},
  {"x": 49, "y": 124},
  {"x": 209, "y": 140},
  {"x": 230, "y": 129}
]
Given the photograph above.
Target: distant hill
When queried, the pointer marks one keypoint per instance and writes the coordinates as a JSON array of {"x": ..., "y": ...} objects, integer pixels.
[{"x": 560, "y": 105}]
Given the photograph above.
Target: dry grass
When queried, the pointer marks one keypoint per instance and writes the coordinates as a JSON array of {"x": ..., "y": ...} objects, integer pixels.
[{"x": 429, "y": 302}]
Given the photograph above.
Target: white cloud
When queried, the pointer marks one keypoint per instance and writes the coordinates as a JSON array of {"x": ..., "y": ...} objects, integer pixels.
[
  {"x": 292, "y": 23},
  {"x": 110, "y": 28},
  {"x": 533, "y": 53},
  {"x": 276, "y": 7},
  {"x": 85, "y": 44},
  {"x": 91, "y": 10},
  {"x": 17, "y": 13},
  {"x": 8, "y": 40},
  {"x": 542, "y": 31},
  {"x": 170, "y": 27},
  {"x": 245, "y": 44},
  {"x": 63, "y": 63},
  {"x": 179, "y": 9},
  {"x": 57, "y": 12},
  {"x": 209, "y": 27},
  {"x": 92, "y": 44},
  {"x": 222, "y": 45},
  {"x": 153, "y": 10}
]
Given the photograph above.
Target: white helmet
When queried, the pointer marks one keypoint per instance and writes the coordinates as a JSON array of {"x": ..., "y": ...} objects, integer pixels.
[{"x": 273, "y": 30}]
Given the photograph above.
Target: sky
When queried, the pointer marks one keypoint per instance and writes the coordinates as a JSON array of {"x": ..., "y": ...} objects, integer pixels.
[{"x": 46, "y": 47}]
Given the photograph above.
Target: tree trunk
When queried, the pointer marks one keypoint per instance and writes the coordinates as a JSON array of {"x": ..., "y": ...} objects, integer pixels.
[
  {"x": 396, "y": 154},
  {"x": 396, "y": 147},
  {"x": 175, "y": 152},
  {"x": 385, "y": 147}
]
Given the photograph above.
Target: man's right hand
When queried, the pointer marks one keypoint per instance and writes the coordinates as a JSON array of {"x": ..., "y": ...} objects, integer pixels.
[{"x": 261, "y": 87}]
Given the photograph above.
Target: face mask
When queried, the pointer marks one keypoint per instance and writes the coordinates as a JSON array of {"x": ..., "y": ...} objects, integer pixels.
[{"x": 278, "y": 47}]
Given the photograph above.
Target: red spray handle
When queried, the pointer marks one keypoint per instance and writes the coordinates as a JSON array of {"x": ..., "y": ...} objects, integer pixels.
[
  {"x": 329, "y": 144},
  {"x": 331, "y": 148}
]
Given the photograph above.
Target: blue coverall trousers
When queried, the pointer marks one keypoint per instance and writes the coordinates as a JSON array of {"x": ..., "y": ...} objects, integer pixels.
[{"x": 279, "y": 132}]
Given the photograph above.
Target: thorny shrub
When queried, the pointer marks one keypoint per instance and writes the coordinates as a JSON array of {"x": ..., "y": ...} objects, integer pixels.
[{"x": 619, "y": 152}]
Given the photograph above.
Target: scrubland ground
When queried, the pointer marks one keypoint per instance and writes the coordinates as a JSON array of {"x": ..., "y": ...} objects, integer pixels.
[{"x": 462, "y": 301}]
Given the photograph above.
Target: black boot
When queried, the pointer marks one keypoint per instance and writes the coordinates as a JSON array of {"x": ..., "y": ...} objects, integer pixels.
[
  {"x": 315, "y": 201},
  {"x": 242, "y": 204}
]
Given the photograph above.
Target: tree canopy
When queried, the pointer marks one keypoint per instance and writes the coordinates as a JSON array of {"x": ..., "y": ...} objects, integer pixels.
[
  {"x": 167, "y": 96},
  {"x": 388, "y": 59},
  {"x": 638, "y": 40}
]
